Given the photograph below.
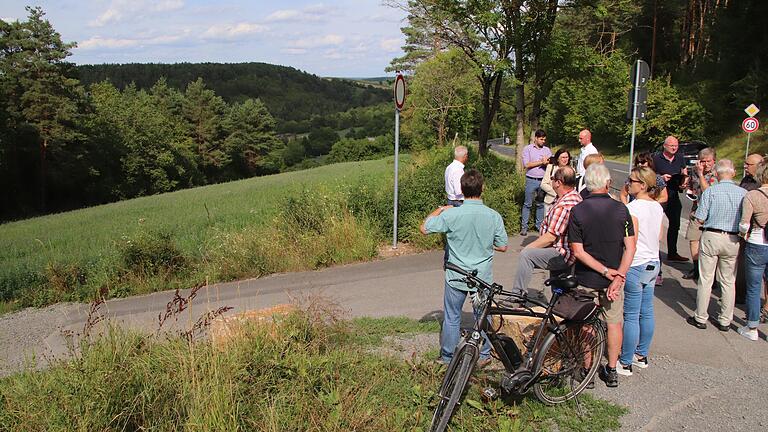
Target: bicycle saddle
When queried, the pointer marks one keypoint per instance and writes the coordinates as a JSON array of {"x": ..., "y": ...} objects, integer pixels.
[{"x": 567, "y": 281}]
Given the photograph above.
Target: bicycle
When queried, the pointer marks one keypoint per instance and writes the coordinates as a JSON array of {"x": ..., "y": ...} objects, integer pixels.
[{"x": 560, "y": 360}]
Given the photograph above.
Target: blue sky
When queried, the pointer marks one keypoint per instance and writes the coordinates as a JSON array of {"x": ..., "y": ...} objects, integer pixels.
[{"x": 346, "y": 38}]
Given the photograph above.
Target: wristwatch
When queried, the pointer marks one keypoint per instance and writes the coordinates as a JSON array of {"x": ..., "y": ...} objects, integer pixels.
[{"x": 605, "y": 272}]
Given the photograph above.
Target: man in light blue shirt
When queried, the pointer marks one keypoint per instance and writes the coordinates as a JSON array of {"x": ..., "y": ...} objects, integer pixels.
[
  {"x": 719, "y": 212},
  {"x": 473, "y": 231}
]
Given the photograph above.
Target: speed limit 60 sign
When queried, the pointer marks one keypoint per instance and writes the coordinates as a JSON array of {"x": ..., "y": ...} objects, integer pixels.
[{"x": 750, "y": 124}]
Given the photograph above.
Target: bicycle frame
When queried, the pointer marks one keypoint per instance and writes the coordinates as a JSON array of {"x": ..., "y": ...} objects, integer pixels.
[{"x": 513, "y": 361}]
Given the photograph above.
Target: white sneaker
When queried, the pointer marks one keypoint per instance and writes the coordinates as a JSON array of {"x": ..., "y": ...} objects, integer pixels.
[
  {"x": 641, "y": 362},
  {"x": 623, "y": 370},
  {"x": 748, "y": 333}
]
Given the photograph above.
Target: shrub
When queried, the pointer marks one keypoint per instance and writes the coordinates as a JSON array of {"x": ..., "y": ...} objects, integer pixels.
[{"x": 150, "y": 253}]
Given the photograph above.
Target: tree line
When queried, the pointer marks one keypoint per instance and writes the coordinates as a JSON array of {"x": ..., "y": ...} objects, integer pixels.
[
  {"x": 483, "y": 68},
  {"x": 79, "y": 136}
]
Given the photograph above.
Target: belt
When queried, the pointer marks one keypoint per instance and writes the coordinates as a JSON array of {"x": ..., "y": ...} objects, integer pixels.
[
  {"x": 715, "y": 230},
  {"x": 534, "y": 178}
]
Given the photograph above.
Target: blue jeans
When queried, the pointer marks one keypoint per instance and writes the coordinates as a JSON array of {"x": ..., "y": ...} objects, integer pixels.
[
  {"x": 451, "y": 332},
  {"x": 530, "y": 189},
  {"x": 639, "y": 322},
  {"x": 755, "y": 269}
]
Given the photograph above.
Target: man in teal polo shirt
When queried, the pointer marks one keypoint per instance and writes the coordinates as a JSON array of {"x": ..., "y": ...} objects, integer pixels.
[{"x": 473, "y": 232}]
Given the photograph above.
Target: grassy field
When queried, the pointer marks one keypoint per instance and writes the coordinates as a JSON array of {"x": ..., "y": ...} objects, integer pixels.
[
  {"x": 76, "y": 242},
  {"x": 307, "y": 372}
]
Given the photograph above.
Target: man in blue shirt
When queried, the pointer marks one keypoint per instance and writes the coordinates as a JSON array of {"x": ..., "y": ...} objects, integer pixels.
[
  {"x": 719, "y": 212},
  {"x": 473, "y": 231}
]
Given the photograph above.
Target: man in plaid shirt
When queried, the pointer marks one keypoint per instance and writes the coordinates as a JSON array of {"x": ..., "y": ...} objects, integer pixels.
[{"x": 550, "y": 251}]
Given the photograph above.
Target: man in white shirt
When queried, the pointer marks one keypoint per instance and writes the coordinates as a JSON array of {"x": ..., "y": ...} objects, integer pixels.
[
  {"x": 453, "y": 173},
  {"x": 587, "y": 148}
]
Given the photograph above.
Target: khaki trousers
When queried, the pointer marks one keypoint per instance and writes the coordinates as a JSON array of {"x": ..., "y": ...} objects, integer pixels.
[{"x": 717, "y": 259}]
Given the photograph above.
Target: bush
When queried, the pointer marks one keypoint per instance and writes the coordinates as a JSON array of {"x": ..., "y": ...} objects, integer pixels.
[
  {"x": 305, "y": 372},
  {"x": 150, "y": 253}
]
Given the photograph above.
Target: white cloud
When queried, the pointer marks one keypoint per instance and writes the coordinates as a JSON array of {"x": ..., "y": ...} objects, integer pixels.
[
  {"x": 98, "y": 42},
  {"x": 8, "y": 19},
  {"x": 294, "y": 51},
  {"x": 311, "y": 13},
  {"x": 315, "y": 42},
  {"x": 122, "y": 9},
  {"x": 391, "y": 45},
  {"x": 227, "y": 31}
]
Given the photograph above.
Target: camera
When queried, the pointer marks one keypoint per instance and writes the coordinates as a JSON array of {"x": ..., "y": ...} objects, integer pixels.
[{"x": 691, "y": 168}]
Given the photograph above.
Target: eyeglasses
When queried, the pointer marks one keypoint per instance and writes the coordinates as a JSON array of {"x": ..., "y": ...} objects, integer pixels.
[{"x": 631, "y": 180}]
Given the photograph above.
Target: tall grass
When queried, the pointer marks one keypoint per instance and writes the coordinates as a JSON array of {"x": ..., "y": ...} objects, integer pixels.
[
  {"x": 288, "y": 222},
  {"x": 306, "y": 372}
]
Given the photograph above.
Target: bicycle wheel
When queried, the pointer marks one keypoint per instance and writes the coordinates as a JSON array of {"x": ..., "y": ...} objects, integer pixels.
[
  {"x": 455, "y": 381},
  {"x": 561, "y": 359}
]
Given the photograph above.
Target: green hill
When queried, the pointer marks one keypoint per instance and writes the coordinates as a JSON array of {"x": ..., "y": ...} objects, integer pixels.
[
  {"x": 179, "y": 238},
  {"x": 288, "y": 93}
]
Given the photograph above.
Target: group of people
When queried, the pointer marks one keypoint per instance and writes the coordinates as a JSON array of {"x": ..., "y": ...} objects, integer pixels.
[{"x": 612, "y": 244}]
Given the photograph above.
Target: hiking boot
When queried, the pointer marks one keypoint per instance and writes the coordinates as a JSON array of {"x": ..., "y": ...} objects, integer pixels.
[
  {"x": 676, "y": 258},
  {"x": 581, "y": 374},
  {"x": 609, "y": 376},
  {"x": 749, "y": 333},
  {"x": 692, "y": 321},
  {"x": 483, "y": 363},
  {"x": 624, "y": 370},
  {"x": 641, "y": 362}
]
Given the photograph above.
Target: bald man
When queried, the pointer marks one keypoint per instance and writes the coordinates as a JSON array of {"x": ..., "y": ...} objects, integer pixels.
[
  {"x": 587, "y": 148},
  {"x": 750, "y": 168}
]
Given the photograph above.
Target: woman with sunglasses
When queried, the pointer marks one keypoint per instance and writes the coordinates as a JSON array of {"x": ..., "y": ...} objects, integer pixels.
[
  {"x": 646, "y": 160},
  {"x": 639, "y": 323},
  {"x": 561, "y": 158}
]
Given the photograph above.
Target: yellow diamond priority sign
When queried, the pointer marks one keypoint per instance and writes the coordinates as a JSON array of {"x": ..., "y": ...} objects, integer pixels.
[{"x": 752, "y": 110}]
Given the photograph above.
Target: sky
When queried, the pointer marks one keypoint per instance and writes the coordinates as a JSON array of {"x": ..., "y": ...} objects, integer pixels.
[{"x": 340, "y": 38}]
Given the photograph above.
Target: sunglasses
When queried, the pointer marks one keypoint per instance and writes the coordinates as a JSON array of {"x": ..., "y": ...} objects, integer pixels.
[{"x": 631, "y": 180}]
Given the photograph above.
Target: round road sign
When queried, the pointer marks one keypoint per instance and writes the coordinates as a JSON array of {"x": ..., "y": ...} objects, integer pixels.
[
  {"x": 750, "y": 124},
  {"x": 399, "y": 91}
]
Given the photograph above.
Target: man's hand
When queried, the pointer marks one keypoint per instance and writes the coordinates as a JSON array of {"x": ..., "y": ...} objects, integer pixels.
[
  {"x": 612, "y": 274},
  {"x": 700, "y": 168},
  {"x": 614, "y": 288},
  {"x": 666, "y": 177}
]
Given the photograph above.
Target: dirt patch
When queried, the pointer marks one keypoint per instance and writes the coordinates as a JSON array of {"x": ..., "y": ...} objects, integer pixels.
[{"x": 386, "y": 250}]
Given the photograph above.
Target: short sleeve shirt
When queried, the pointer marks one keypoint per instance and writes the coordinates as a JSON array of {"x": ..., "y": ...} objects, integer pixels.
[
  {"x": 673, "y": 168},
  {"x": 472, "y": 231},
  {"x": 720, "y": 206},
  {"x": 600, "y": 224}
]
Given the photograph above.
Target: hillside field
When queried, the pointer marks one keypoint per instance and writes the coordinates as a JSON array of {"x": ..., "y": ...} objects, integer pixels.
[{"x": 192, "y": 217}]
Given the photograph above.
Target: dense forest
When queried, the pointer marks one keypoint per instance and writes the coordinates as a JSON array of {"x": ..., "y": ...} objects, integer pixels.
[
  {"x": 487, "y": 67},
  {"x": 75, "y": 136},
  {"x": 289, "y": 94}
]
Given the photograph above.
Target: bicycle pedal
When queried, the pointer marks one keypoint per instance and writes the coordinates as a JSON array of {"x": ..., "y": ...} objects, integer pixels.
[{"x": 489, "y": 394}]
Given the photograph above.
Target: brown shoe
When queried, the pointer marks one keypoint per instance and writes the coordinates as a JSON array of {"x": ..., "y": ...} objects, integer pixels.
[
  {"x": 676, "y": 258},
  {"x": 483, "y": 363}
]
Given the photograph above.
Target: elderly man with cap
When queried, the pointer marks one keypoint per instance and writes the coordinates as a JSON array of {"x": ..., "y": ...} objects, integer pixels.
[{"x": 719, "y": 211}]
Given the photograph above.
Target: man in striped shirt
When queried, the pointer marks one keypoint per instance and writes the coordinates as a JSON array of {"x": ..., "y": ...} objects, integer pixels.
[{"x": 550, "y": 251}]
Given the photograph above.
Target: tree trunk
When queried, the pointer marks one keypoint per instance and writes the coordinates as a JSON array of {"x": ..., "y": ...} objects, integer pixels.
[
  {"x": 491, "y": 103},
  {"x": 485, "y": 122},
  {"x": 520, "y": 141},
  {"x": 653, "y": 37},
  {"x": 43, "y": 168}
]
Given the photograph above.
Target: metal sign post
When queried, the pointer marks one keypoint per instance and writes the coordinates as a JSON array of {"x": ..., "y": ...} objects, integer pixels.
[
  {"x": 637, "y": 98},
  {"x": 399, "y": 101},
  {"x": 749, "y": 125}
]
